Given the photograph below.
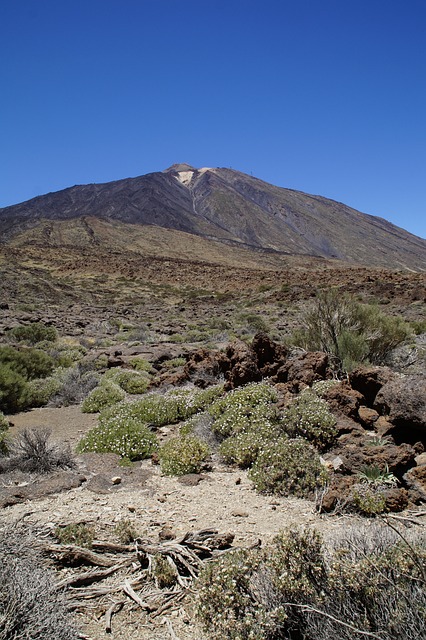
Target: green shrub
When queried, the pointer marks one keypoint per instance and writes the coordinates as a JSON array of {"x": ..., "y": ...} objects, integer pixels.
[
  {"x": 321, "y": 387},
  {"x": 131, "y": 382},
  {"x": 254, "y": 322},
  {"x": 174, "y": 363},
  {"x": 243, "y": 409},
  {"x": 244, "y": 447},
  {"x": 309, "y": 417},
  {"x": 126, "y": 437},
  {"x": 352, "y": 332},
  {"x": 182, "y": 455},
  {"x": 105, "y": 395},
  {"x": 41, "y": 390},
  {"x": 29, "y": 363},
  {"x": 79, "y": 534},
  {"x": 125, "y": 532},
  {"x": 33, "y": 333},
  {"x": 140, "y": 364},
  {"x": 418, "y": 326},
  {"x": 368, "y": 499},
  {"x": 4, "y": 426},
  {"x": 288, "y": 467},
  {"x": 164, "y": 573},
  {"x": 367, "y": 583},
  {"x": 13, "y": 390}
]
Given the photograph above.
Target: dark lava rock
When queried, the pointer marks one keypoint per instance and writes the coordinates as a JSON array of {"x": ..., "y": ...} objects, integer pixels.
[
  {"x": 270, "y": 355},
  {"x": 43, "y": 486},
  {"x": 243, "y": 365},
  {"x": 344, "y": 400},
  {"x": 306, "y": 368},
  {"x": 403, "y": 401},
  {"x": 369, "y": 381}
]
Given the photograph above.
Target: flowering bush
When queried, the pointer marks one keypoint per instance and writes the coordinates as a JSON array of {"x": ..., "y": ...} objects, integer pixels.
[
  {"x": 309, "y": 417},
  {"x": 131, "y": 382},
  {"x": 288, "y": 467},
  {"x": 182, "y": 455},
  {"x": 243, "y": 448},
  {"x": 108, "y": 393},
  {"x": 321, "y": 387},
  {"x": 298, "y": 587},
  {"x": 243, "y": 409},
  {"x": 126, "y": 437}
]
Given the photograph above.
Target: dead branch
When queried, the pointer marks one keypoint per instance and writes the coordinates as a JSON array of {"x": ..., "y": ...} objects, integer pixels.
[
  {"x": 88, "y": 577},
  {"x": 69, "y": 554},
  {"x": 114, "y": 608},
  {"x": 134, "y": 596}
]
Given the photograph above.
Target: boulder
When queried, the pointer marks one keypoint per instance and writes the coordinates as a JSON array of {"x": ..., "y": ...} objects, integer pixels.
[
  {"x": 344, "y": 400},
  {"x": 243, "y": 365},
  {"x": 415, "y": 479},
  {"x": 403, "y": 401},
  {"x": 270, "y": 355},
  {"x": 203, "y": 367},
  {"x": 367, "y": 416},
  {"x": 369, "y": 381},
  {"x": 305, "y": 368}
]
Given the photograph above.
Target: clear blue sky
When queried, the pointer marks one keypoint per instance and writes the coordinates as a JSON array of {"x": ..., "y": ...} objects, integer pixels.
[{"x": 324, "y": 96}]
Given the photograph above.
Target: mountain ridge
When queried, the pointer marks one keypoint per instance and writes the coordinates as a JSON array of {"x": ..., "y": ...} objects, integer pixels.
[{"x": 228, "y": 206}]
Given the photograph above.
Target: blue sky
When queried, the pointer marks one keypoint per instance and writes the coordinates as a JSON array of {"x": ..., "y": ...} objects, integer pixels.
[{"x": 323, "y": 96}]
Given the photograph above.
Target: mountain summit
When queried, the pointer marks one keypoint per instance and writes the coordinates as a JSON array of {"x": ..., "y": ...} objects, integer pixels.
[{"x": 229, "y": 207}]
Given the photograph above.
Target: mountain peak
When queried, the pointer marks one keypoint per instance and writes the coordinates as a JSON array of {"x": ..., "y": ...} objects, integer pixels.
[{"x": 182, "y": 166}]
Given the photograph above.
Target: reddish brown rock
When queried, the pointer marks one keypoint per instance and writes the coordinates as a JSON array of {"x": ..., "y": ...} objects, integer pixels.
[
  {"x": 369, "y": 381},
  {"x": 338, "y": 492},
  {"x": 306, "y": 368},
  {"x": 397, "y": 499},
  {"x": 383, "y": 426},
  {"x": 367, "y": 416},
  {"x": 243, "y": 365},
  {"x": 343, "y": 400},
  {"x": 270, "y": 355},
  {"x": 204, "y": 366},
  {"x": 416, "y": 481}
]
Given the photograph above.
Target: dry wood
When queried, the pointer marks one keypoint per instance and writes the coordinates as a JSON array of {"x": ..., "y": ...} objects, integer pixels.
[
  {"x": 112, "y": 547},
  {"x": 186, "y": 555},
  {"x": 134, "y": 596},
  {"x": 67, "y": 554},
  {"x": 114, "y": 608},
  {"x": 88, "y": 577}
]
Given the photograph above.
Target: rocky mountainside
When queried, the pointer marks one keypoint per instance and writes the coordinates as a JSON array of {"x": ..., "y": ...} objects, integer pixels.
[{"x": 220, "y": 205}]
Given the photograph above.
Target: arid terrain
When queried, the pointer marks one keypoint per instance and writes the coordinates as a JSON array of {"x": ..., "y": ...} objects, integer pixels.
[{"x": 198, "y": 303}]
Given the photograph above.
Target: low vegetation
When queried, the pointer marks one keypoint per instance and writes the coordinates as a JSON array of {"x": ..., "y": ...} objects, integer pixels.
[
  {"x": 350, "y": 331},
  {"x": 31, "y": 450},
  {"x": 182, "y": 455},
  {"x": 30, "y": 606},
  {"x": 127, "y": 437},
  {"x": 370, "y": 582},
  {"x": 309, "y": 417},
  {"x": 105, "y": 395},
  {"x": 288, "y": 467}
]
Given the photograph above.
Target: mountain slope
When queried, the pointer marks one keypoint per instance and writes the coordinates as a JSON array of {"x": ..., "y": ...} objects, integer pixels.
[{"x": 226, "y": 206}]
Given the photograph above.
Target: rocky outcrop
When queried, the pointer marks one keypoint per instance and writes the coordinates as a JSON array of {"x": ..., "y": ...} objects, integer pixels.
[
  {"x": 304, "y": 369},
  {"x": 403, "y": 402},
  {"x": 369, "y": 380}
]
